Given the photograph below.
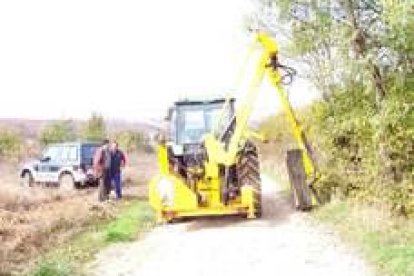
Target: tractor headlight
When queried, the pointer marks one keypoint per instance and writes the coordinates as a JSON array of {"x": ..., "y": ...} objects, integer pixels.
[{"x": 165, "y": 189}]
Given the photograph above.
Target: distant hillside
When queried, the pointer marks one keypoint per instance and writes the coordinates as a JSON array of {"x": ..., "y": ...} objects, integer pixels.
[{"x": 31, "y": 128}]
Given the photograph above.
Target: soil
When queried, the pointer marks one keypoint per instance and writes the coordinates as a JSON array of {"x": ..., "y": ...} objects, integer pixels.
[{"x": 34, "y": 219}]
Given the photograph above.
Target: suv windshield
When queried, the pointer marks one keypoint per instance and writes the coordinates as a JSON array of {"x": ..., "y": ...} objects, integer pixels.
[{"x": 196, "y": 120}]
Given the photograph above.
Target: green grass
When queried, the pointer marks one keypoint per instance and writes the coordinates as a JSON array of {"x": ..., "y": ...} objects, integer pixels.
[
  {"x": 53, "y": 268},
  {"x": 133, "y": 218},
  {"x": 386, "y": 241},
  {"x": 125, "y": 227}
]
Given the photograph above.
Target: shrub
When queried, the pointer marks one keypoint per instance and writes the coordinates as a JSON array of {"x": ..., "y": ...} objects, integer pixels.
[
  {"x": 10, "y": 143},
  {"x": 363, "y": 151},
  {"x": 95, "y": 129},
  {"x": 130, "y": 140},
  {"x": 57, "y": 132}
]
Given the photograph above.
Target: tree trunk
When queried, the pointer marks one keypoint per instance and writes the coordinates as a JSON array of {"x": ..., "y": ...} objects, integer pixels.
[{"x": 359, "y": 43}]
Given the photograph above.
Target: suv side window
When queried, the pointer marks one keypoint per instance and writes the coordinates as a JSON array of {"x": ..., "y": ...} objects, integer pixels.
[
  {"x": 53, "y": 152},
  {"x": 69, "y": 154},
  {"x": 72, "y": 153}
]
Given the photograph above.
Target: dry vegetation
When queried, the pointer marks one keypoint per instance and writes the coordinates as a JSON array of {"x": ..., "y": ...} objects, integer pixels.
[{"x": 34, "y": 219}]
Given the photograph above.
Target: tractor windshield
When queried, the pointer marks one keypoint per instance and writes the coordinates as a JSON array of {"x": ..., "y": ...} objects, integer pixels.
[{"x": 196, "y": 120}]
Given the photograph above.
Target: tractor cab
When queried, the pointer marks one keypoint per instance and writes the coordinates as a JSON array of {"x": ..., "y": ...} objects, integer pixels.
[{"x": 190, "y": 120}]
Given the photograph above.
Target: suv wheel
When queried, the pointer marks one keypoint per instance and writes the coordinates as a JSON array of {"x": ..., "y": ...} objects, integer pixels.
[
  {"x": 27, "y": 179},
  {"x": 66, "y": 182}
]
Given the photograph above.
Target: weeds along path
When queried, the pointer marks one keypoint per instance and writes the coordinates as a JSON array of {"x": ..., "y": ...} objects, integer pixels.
[{"x": 283, "y": 242}]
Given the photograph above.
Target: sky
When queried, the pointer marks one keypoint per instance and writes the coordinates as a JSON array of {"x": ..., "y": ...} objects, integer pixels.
[{"x": 123, "y": 59}]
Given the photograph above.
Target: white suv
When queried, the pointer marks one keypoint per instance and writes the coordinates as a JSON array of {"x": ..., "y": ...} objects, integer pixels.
[{"x": 67, "y": 164}]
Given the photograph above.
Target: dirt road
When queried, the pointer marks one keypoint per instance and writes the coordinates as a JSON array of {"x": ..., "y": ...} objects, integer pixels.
[{"x": 283, "y": 242}]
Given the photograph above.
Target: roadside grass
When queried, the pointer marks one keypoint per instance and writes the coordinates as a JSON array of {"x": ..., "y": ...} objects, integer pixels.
[
  {"x": 125, "y": 228},
  {"x": 135, "y": 217},
  {"x": 386, "y": 241}
]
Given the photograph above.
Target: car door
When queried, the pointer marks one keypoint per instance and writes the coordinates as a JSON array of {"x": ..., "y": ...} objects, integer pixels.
[{"x": 50, "y": 164}]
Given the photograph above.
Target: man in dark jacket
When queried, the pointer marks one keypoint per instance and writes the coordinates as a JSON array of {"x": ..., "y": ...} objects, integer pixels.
[
  {"x": 118, "y": 162},
  {"x": 102, "y": 166}
]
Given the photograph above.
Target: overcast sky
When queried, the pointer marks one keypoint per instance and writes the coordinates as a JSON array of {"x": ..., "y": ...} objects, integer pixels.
[{"x": 124, "y": 59}]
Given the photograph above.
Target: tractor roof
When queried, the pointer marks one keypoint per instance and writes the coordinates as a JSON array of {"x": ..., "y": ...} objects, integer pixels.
[{"x": 200, "y": 100}]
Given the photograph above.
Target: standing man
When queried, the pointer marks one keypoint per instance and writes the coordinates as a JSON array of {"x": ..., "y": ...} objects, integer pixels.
[
  {"x": 102, "y": 166},
  {"x": 118, "y": 162}
]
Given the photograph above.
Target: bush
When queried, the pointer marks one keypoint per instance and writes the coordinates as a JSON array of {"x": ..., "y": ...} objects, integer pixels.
[
  {"x": 130, "y": 140},
  {"x": 58, "y": 132},
  {"x": 10, "y": 143},
  {"x": 95, "y": 129},
  {"x": 363, "y": 151}
]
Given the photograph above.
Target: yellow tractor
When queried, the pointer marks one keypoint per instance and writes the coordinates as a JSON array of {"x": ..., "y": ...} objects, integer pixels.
[{"x": 208, "y": 162}]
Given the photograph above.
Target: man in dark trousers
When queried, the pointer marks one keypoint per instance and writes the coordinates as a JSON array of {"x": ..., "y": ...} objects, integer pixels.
[
  {"x": 118, "y": 162},
  {"x": 102, "y": 166}
]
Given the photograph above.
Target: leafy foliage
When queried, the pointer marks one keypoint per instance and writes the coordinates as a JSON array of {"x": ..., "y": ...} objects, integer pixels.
[
  {"x": 349, "y": 136},
  {"x": 10, "y": 143},
  {"x": 95, "y": 129},
  {"x": 360, "y": 54},
  {"x": 58, "y": 132},
  {"x": 129, "y": 140}
]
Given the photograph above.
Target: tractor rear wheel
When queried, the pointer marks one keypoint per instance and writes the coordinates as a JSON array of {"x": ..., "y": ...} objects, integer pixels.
[
  {"x": 300, "y": 191},
  {"x": 248, "y": 173}
]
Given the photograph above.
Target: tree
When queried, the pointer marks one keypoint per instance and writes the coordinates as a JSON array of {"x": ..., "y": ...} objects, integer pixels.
[
  {"x": 129, "y": 140},
  {"x": 57, "y": 132},
  {"x": 95, "y": 128},
  {"x": 360, "y": 54},
  {"x": 341, "y": 42}
]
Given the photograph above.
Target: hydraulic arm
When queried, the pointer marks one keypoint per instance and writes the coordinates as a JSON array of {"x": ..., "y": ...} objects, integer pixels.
[{"x": 268, "y": 65}]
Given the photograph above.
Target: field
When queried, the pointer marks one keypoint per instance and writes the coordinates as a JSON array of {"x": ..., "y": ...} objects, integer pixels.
[{"x": 33, "y": 220}]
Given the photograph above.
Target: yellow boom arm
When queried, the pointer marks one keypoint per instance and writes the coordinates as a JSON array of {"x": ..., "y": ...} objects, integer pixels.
[{"x": 266, "y": 66}]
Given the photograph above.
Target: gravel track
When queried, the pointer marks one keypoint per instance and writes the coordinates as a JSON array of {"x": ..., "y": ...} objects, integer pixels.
[{"x": 283, "y": 242}]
